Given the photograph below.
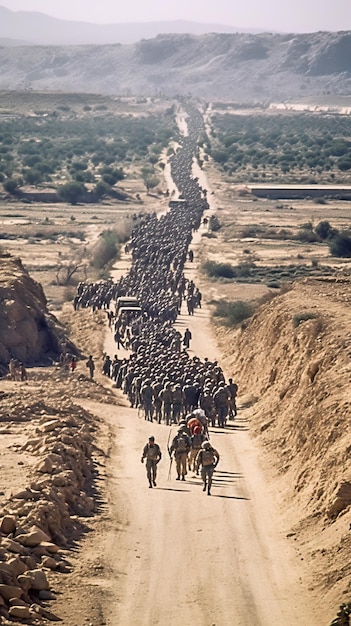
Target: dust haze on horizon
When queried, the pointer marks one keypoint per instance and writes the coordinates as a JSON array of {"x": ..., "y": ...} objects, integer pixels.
[{"x": 270, "y": 15}]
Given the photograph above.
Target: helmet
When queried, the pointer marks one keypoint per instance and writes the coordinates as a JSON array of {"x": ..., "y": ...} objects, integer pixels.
[
  {"x": 197, "y": 430},
  {"x": 205, "y": 445},
  {"x": 152, "y": 438}
]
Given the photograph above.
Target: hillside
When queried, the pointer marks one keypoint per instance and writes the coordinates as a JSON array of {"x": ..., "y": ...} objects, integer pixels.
[
  {"x": 300, "y": 411},
  {"x": 29, "y": 333},
  {"x": 41, "y": 29},
  {"x": 238, "y": 67}
]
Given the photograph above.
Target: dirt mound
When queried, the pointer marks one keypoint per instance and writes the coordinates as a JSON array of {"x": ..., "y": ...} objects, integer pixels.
[
  {"x": 48, "y": 496},
  {"x": 29, "y": 333},
  {"x": 292, "y": 363}
]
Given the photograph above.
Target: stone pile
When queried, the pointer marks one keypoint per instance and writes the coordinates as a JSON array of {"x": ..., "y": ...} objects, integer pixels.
[{"x": 39, "y": 521}]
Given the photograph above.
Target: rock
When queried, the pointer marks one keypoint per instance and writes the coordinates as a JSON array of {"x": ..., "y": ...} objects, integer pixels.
[
  {"x": 38, "y": 579},
  {"x": 343, "y": 499},
  {"x": 17, "y": 565},
  {"x": 44, "y": 594},
  {"x": 25, "y": 582},
  {"x": 45, "y": 467},
  {"x": 8, "y": 525},
  {"x": 10, "y": 591},
  {"x": 48, "y": 427},
  {"x": 48, "y": 562},
  {"x": 45, "y": 613},
  {"x": 20, "y": 612},
  {"x": 17, "y": 602},
  {"x": 14, "y": 546},
  {"x": 14, "y": 566},
  {"x": 26, "y": 494},
  {"x": 50, "y": 547},
  {"x": 30, "y": 562},
  {"x": 33, "y": 538}
]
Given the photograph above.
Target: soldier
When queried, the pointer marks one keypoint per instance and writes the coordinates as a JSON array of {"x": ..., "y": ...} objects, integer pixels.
[
  {"x": 208, "y": 459},
  {"x": 186, "y": 338},
  {"x": 147, "y": 396},
  {"x": 177, "y": 402},
  {"x": 196, "y": 442},
  {"x": 180, "y": 446},
  {"x": 233, "y": 390},
  {"x": 166, "y": 397},
  {"x": 221, "y": 400},
  {"x": 91, "y": 367},
  {"x": 152, "y": 454}
]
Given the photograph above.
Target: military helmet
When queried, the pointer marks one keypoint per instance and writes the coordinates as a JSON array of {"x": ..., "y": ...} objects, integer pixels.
[{"x": 205, "y": 445}]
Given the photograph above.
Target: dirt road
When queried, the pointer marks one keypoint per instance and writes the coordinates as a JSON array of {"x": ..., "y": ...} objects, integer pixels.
[{"x": 181, "y": 557}]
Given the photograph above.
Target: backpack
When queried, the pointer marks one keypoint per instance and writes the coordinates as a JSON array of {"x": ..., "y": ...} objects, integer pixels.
[
  {"x": 208, "y": 458},
  {"x": 197, "y": 441},
  {"x": 177, "y": 396},
  {"x": 181, "y": 444}
]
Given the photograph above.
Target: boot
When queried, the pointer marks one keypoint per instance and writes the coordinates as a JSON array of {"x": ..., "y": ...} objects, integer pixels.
[
  {"x": 204, "y": 489},
  {"x": 178, "y": 478},
  {"x": 154, "y": 483},
  {"x": 183, "y": 477},
  {"x": 150, "y": 484}
]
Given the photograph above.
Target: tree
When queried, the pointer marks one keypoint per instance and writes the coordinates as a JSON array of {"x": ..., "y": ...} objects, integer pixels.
[
  {"x": 101, "y": 189},
  {"x": 149, "y": 177},
  {"x": 32, "y": 176},
  {"x": 71, "y": 192},
  {"x": 11, "y": 185}
]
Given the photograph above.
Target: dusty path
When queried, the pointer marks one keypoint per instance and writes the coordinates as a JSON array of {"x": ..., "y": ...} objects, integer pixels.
[{"x": 179, "y": 557}]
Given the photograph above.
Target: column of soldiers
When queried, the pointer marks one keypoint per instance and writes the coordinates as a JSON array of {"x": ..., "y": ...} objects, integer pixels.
[{"x": 160, "y": 375}]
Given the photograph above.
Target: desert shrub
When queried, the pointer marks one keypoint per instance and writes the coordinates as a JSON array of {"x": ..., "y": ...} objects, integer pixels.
[
  {"x": 214, "y": 224},
  {"x": 107, "y": 249},
  {"x": 11, "y": 185},
  {"x": 234, "y": 312},
  {"x": 303, "y": 317},
  {"x": 324, "y": 230},
  {"x": 273, "y": 284},
  {"x": 320, "y": 200},
  {"x": 306, "y": 236},
  {"x": 340, "y": 245},
  {"x": 219, "y": 270}
]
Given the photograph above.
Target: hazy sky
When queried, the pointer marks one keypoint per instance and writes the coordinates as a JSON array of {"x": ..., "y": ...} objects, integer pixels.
[{"x": 278, "y": 15}]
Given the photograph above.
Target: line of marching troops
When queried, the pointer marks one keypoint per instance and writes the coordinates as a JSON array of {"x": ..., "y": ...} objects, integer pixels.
[
  {"x": 190, "y": 448},
  {"x": 159, "y": 374}
]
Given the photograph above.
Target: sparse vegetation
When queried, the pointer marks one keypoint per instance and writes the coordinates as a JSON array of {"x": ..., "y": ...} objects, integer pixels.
[
  {"x": 301, "y": 148},
  {"x": 303, "y": 317},
  {"x": 233, "y": 313}
]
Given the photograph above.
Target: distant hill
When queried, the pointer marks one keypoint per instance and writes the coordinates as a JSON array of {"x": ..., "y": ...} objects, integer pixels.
[
  {"x": 40, "y": 29},
  {"x": 239, "y": 67}
]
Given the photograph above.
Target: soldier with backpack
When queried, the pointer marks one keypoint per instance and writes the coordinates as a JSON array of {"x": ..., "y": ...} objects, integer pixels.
[
  {"x": 153, "y": 455},
  {"x": 207, "y": 459},
  {"x": 180, "y": 447},
  {"x": 196, "y": 442}
]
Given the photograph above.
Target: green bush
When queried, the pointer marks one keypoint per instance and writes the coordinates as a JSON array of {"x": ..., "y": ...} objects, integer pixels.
[
  {"x": 340, "y": 245},
  {"x": 219, "y": 270},
  {"x": 234, "y": 312},
  {"x": 71, "y": 192},
  {"x": 324, "y": 230}
]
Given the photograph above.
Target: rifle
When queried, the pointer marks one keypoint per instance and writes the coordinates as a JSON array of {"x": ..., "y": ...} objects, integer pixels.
[{"x": 170, "y": 455}]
